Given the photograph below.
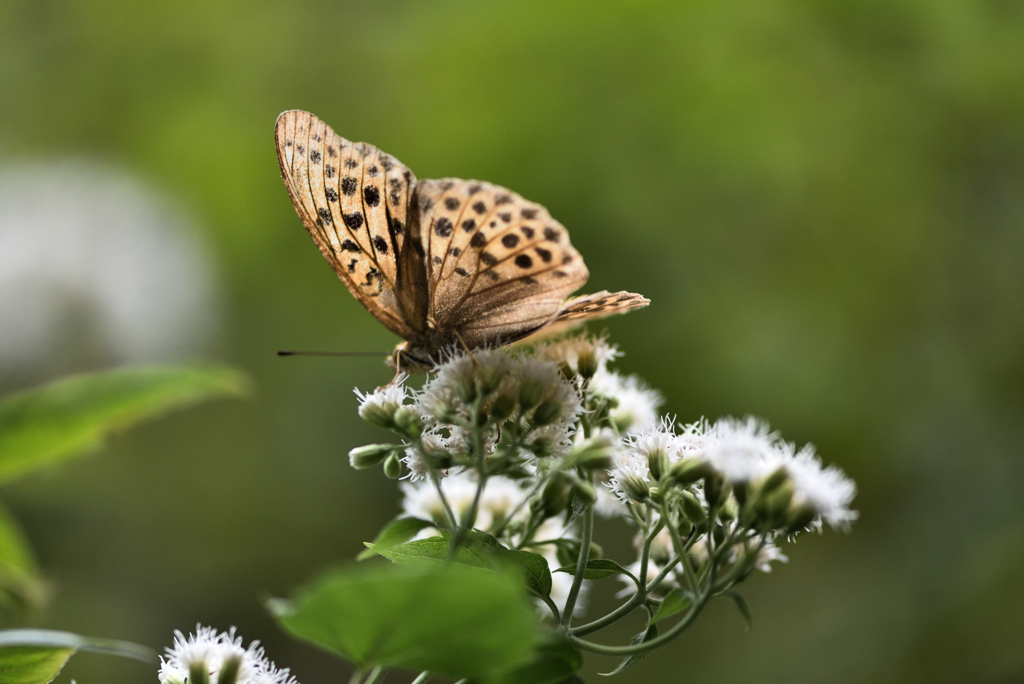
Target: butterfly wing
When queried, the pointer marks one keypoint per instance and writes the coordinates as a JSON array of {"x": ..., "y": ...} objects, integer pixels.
[
  {"x": 355, "y": 202},
  {"x": 498, "y": 266},
  {"x": 601, "y": 304}
]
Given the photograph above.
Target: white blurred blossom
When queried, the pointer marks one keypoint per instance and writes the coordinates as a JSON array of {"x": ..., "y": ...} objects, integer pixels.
[{"x": 93, "y": 261}]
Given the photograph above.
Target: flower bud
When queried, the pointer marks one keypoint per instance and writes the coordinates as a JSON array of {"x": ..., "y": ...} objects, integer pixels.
[
  {"x": 491, "y": 376},
  {"x": 555, "y": 496},
  {"x": 692, "y": 509},
  {"x": 381, "y": 415},
  {"x": 775, "y": 479},
  {"x": 714, "y": 489},
  {"x": 445, "y": 412},
  {"x": 547, "y": 412},
  {"x": 198, "y": 672},
  {"x": 689, "y": 470},
  {"x": 466, "y": 389},
  {"x": 392, "y": 467},
  {"x": 531, "y": 391},
  {"x": 229, "y": 670},
  {"x": 799, "y": 519},
  {"x": 369, "y": 455},
  {"x": 502, "y": 407},
  {"x": 587, "y": 362},
  {"x": 774, "y": 505},
  {"x": 635, "y": 488},
  {"x": 568, "y": 551},
  {"x": 593, "y": 454},
  {"x": 729, "y": 509},
  {"x": 658, "y": 463},
  {"x": 408, "y": 422},
  {"x": 584, "y": 492}
]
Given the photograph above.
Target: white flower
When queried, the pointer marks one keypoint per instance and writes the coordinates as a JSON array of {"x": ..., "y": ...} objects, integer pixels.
[
  {"x": 554, "y": 389},
  {"x": 768, "y": 554},
  {"x": 637, "y": 404},
  {"x": 456, "y": 379},
  {"x": 569, "y": 351},
  {"x": 827, "y": 491},
  {"x": 418, "y": 466},
  {"x": 658, "y": 439},
  {"x": 557, "y": 436},
  {"x": 381, "y": 404},
  {"x": 630, "y": 479},
  {"x": 499, "y": 497},
  {"x": 742, "y": 451},
  {"x": 211, "y": 650},
  {"x": 694, "y": 438}
]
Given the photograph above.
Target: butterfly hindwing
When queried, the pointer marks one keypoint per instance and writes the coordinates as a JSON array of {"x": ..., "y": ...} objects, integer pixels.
[
  {"x": 601, "y": 304},
  {"x": 354, "y": 201},
  {"x": 499, "y": 267}
]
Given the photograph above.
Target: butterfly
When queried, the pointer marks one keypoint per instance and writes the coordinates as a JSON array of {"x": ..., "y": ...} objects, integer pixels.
[{"x": 439, "y": 262}]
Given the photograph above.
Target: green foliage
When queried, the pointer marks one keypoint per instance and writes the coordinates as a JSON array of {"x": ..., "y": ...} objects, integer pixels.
[
  {"x": 449, "y": 619},
  {"x": 73, "y": 416},
  {"x": 631, "y": 660},
  {"x": 674, "y": 602},
  {"x": 395, "y": 533},
  {"x": 36, "y": 656},
  {"x": 599, "y": 568},
  {"x": 477, "y": 550},
  {"x": 556, "y": 661},
  {"x": 20, "y": 582}
]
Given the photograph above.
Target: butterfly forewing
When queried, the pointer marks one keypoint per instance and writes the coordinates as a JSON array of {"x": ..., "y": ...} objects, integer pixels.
[
  {"x": 499, "y": 266},
  {"x": 354, "y": 200}
]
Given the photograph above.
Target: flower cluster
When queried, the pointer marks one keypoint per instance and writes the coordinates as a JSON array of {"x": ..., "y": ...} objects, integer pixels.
[
  {"x": 526, "y": 447},
  {"x": 208, "y": 656}
]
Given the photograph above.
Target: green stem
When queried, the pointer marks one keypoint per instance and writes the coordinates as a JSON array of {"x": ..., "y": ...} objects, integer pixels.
[
  {"x": 376, "y": 674},
  {"x": 423, "y": 677},
  {"x": 444, "y": 500},
  {"x": 647, "y": 645},
  {"x": 581, "y": 566},
  {"x": 469, "y": 519}
]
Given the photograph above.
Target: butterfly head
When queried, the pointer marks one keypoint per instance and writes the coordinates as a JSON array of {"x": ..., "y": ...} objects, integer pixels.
[{"x": 410, "y": 360}]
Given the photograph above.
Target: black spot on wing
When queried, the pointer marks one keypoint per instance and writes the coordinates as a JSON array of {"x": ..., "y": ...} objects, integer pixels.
[
  {"x": 480, "y": 207},
  {"x": 349, "y": 246},
  {"x": 510, "y": 240},
  {"x": 443, "y": 227},
  {"x": 468, "y": 225},
  {"x": 544, "y": 254},
  {"x": 524, "y": 261},
  {"x": 349, "y": 185},
  {"x": 380, "y": 244},
  {"x": 325, "y": 215},
  {"x": 488, "y": 258},
  {"x": 315, "y": 157},
  {"x": 372, "y": 195},
  {"x": 354, "y": 220},
  {"x": 478, "y": 240},
  {"x": 332, "y": 194}
]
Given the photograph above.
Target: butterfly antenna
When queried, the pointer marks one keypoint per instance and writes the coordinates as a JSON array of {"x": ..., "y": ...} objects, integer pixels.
[{"x": 285, "y": 352}]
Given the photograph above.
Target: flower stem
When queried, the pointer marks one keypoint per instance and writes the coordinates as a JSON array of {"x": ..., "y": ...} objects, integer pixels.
[
  {"x": 581, "y": 566},
  {"x": 376, "y": 674},
  {"x": 423, "y": 677}
]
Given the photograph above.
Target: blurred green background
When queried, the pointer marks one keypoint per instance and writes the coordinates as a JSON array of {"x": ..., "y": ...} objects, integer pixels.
[{"x": 823, "y": 200}]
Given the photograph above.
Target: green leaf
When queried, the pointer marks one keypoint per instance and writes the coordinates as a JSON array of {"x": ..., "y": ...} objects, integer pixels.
[
  {"x": 72, "y": 416},
  {"x": 534, "y": 567},
  {"x": 395, "y": 533},
  {"x": 556, "y": 661},
  {"x": 32, "y": 665},
  {"x": 629, "y": 661},
  {"x": 478, "y": 549},
  {"x": 599, "y": 568},
  {"x": 674, "y": 602},
  {"x": 741, "y": 604},
  {"x": 434, "y": 551},
  {"x": 449, "y": 619},
  {"x": 21, "y": 585},
  {"x": 36, "y": 656}
]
